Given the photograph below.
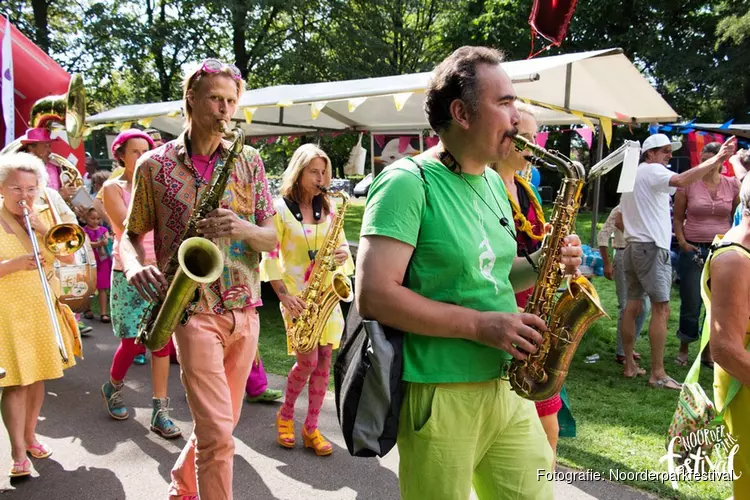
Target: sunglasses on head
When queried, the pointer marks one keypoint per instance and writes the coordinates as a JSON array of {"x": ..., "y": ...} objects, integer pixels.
[{"x": 214, "y": 66}]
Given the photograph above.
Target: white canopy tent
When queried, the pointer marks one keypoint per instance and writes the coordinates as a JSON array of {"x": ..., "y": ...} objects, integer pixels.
[{"x": 598, "y": 85}]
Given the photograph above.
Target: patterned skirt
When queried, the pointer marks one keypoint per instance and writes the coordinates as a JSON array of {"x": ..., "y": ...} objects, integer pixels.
[{"x": 126, "y": 307}]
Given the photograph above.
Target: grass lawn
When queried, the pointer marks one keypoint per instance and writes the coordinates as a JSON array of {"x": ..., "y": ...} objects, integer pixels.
[{"x": 621, "y": 424}]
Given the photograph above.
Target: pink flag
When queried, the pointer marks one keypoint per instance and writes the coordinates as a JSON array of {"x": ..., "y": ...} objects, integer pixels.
[
  {"x": 587, "y": 135},
  {"x": 272, "y": 139},
  {"x": 541, "y": 138},
  {"x": 379, "y": 140},
  {"x": 432, "y": 141},
  {"x": 403, "y": 143}
]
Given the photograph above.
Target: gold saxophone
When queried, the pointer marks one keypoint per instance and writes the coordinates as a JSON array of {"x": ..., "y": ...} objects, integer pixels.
[
  {"x": 325, "y": 289},
  {"x": 542, "y": 374},
  {"x": 197, "y": 261}
]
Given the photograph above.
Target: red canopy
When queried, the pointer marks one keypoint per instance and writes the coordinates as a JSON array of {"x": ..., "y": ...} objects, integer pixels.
[{"x": 35, "y": 75}]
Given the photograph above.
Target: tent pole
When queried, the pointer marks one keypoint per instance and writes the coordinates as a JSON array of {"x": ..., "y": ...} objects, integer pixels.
[
  {"x": 421, "y": 141},
  {"x": 372, "y": 155},
  {"x": 597, "y": 185}
]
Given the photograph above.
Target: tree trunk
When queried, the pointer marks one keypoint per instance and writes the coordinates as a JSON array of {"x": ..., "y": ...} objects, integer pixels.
[
  {"x": 239, "y": 24},
  {"x": 40, "y": 21}
]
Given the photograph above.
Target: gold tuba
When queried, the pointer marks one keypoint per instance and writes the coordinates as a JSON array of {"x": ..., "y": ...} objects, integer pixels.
[
  {"x": 197, "y": 261},
  {"x": 67, "y": 111},
  {"x": 542, "y": 374},
  {"x": 326, "y": 287}
]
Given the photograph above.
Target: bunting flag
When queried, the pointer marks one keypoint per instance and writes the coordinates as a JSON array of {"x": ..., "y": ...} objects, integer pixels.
[
  {"x": 403, "y": 143},
  {"x": 316, "y": 108},
  {"x": 285, "y": 103},
  {"x": 125, "y": 126},
  {"x": 380, "y": 140},
  {"x": 431, "y": 141},
  {"x": 272, "y": 139},
  {"x": 400, "y": 99},
  {"x": 726, "y": 125},
  {"x": 587, "y": 134},
  {"x": 583, "y": 118},
  {"x": 8, "y": 98},
  {"x": 249, "y": 112},
  {"x": 541, "y": 138},
  {"x": 354, "y": 103},
  {"x": 606, "y": 124},
  {"x": 175, "y": 113},
  {"x": 145, "y": 122}
]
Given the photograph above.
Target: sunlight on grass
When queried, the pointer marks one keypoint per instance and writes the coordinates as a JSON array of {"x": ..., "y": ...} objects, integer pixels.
[{"x": 621, "y": 424}]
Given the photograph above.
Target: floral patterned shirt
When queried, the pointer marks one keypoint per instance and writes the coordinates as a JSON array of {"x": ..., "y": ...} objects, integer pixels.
[{"x": 165, "y": 193}]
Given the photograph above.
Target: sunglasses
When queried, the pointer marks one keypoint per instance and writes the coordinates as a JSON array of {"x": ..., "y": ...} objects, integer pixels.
[{"x": 214, "y": 66}]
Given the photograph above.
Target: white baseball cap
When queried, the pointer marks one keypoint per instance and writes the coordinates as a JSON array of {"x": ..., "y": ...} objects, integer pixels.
[{"x": 659, "y": 141}]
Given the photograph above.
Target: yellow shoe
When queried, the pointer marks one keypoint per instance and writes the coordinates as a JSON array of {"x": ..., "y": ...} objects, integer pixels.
[
  {"x": 317, "y": 442},
  {"x": 284, "y": 431}
]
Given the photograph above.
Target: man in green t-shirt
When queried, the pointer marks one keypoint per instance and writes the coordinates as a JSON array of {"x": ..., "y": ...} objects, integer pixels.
[{"x": 453, "y": 228}]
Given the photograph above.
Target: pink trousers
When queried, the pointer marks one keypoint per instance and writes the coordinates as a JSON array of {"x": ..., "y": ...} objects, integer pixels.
[{"x": 215, "y": 353}]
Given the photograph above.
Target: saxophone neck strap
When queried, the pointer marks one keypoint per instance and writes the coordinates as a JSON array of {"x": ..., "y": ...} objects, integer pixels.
[{"x": 317, "y": 206}]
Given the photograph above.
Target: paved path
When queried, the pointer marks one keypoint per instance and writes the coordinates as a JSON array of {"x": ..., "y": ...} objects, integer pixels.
[{"x": 98, "y": 458}]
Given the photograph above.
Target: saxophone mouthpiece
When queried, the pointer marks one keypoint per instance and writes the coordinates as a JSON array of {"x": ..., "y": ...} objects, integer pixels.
[{"x": 323, "y": 189}]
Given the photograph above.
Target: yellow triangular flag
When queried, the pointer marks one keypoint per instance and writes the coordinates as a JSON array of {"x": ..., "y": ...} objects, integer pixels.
[
  {"x": 606, "y": 128},
  {"x": 87, "y": 131},
  {"x": 354, "y": 103},
  {"x": 316, "y": 108},
  {"x": 584, "y": 119},
  {"x": 125, "y": 126},
  {"x": 145, "y": 122},
  {"x": 285, "y": 103},
  {"x": 174, "y": 113},
  {"x": 249, "y": 112},
  {"x": 400, "y": 99}
]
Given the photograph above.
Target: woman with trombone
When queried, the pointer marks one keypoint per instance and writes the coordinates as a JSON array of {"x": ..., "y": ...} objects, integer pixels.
[{"x": 39, "y": 336}]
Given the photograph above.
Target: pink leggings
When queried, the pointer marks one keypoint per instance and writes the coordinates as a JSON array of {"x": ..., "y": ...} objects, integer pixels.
[
  {"x": 315, "y": 366},
  {"x": 126, "y": 353}
]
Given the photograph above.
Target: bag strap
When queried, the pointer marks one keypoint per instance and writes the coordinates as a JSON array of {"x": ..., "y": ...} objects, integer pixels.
[{"x": 694, "y": 373}]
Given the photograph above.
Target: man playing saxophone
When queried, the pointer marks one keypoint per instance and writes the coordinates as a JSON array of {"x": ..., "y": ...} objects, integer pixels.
[
  {"x": 217, "y": 345},
  {"x": 460, "y": 423},
  {"x": 304, "y": 216}
]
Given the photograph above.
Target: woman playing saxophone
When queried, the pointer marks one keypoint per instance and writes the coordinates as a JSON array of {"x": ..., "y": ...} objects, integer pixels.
[{"x": 303, "y": 218}]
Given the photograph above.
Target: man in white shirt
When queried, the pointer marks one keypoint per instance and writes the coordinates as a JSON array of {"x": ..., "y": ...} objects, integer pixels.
[{"x": 648, "y": 232}]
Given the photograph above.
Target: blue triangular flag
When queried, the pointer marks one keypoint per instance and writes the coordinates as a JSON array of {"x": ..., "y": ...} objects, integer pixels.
[
  {"x": 726, "y": 125},
  {"x": 653, "y": 129},
  {"x": 666, "y": 128}
]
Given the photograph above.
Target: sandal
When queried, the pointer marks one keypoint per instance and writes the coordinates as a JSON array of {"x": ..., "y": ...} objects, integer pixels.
[
  {"x": 285, "y": 431},
  {"x": 39, "y": 450},
  {"x": 639, "y": 372},
  {"x": 681, "y": 361},
  {"x": 104, "y": 318},
  {"x": 666, "y": 383},
  {"x": 317, "y": 442},
  {"x": 21, "y": 469},
  {"x": 88, "y": 314},
  {"x": 619, "y": 358}
]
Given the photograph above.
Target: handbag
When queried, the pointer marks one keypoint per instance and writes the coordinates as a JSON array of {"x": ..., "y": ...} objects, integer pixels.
[
  {"x": 695, "y": 411},
  {"x": 368, "y": 381}
]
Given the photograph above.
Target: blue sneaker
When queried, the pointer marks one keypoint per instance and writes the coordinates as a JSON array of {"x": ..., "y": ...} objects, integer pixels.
[
  {"x": 140, "y": 359},
  {"x": 113, "y": 399},
  {"x": 160, "y": 421}
]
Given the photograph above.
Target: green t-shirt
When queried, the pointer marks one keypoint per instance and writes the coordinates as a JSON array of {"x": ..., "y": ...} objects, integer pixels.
[{"x": 462, "y": 256}]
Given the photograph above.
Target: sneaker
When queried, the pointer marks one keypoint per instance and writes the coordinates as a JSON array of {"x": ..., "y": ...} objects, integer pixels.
[
  {"x": 160, "y": 421},
  {"x": 84, "y": 329},
  {"x": 113, "y": 399},
  {"x": 140, "y": 359},
  {"x": 267, "y": 396}
]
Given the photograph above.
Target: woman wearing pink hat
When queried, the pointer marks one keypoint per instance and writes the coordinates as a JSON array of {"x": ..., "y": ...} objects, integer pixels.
[{"x": 126, "y": 305}]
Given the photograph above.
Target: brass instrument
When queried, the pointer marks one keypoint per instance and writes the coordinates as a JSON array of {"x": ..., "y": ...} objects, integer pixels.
[
  {"x": 197, "y": 261},
  {"x": 325, "y": 289},
  {"x": 542, "y": 374},
  {"x": 62, "y": 239},
  {"x": 66, "y": 111}
]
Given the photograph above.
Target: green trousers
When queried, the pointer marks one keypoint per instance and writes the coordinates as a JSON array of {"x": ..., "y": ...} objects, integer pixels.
[{"x": 453, "y": 436}]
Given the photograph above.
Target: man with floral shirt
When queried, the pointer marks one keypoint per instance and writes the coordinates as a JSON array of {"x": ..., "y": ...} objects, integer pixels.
[{"x": 217, "y": 346}]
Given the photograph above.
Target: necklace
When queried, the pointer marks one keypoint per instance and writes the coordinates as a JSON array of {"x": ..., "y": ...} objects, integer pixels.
[{"x": 447, "y": 159}]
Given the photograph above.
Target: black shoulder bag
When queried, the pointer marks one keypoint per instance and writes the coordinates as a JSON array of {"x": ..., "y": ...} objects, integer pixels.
[{"x": 368, "y": 379}]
